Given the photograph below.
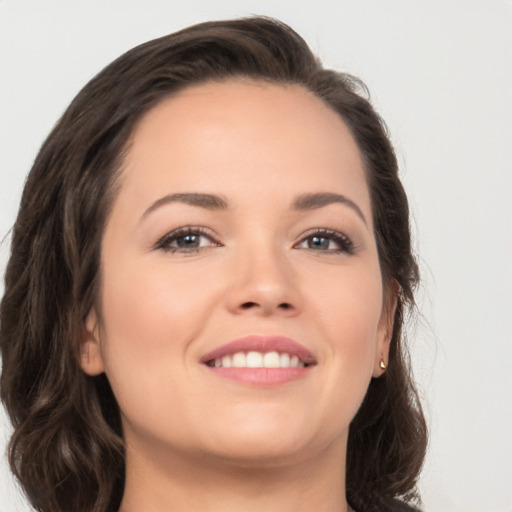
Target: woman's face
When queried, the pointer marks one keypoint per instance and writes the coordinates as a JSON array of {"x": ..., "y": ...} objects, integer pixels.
[{"x": 242, "y": 226}]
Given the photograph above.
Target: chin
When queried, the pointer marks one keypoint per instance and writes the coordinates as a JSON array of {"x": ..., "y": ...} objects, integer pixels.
[
  {"x": 262, "y": 442},
  {"x": 255, "y": 454}
]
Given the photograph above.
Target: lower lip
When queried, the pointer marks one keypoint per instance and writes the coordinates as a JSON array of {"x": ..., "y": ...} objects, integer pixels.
[{"x": 261, "y": 376}]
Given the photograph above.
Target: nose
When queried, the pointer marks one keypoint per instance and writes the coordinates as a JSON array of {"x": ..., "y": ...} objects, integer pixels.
[{"x": 263, "y": 283}]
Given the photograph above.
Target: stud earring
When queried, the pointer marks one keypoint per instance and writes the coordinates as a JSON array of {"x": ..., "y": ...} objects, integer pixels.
[{"x": 382, "y": 364}]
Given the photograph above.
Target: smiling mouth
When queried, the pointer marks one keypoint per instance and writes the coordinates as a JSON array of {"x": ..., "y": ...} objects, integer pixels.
[
  {"x": 254, "y": 359},
  {"x": 261, "y": 361}
]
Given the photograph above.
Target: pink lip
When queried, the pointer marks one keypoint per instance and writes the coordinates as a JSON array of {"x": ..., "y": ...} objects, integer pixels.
[
  {"x": 261, "y": 344},
  {"x": 261, "y": 376}
]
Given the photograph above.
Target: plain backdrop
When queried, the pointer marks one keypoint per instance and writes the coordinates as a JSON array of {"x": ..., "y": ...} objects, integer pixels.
[{"x": 440, "y": 73}]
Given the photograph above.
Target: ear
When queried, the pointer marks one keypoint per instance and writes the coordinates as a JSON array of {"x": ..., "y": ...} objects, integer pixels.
[
  {"x": 385, "y": 329},
  {"x": 91, "y": 358}
]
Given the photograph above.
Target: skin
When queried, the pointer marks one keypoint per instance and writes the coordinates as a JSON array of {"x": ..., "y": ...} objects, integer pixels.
[{"x": 196, "y": 441}]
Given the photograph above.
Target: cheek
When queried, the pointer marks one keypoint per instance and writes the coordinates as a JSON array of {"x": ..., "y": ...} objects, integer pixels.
[
  {"x": 354, "y": 293},
  {"x": 348, "y": 307},
  {"x": 149, "y": 320},
  {"x": 140, "y": 302}
]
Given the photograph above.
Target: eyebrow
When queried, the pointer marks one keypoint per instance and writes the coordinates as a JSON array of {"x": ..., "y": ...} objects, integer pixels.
[
  {"x": 321, "y": 199},
  {"x": 208, "y": 201},
  {"x": 214, "y": 202}
]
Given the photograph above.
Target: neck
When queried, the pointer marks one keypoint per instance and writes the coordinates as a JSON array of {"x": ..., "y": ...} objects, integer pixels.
[{"x": 196, "y": 484}]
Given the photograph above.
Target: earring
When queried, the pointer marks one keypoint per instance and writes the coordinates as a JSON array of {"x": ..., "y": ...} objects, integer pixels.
[{"x": 382, "y": 364}]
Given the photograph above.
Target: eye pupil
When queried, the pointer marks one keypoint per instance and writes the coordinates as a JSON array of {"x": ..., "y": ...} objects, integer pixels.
[{"x": 318, "y": 242}]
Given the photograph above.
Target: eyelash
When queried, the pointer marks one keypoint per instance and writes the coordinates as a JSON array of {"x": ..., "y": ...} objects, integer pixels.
[
  {"x": 165, "y": 242},
  {"x": 345, "y": 244}
]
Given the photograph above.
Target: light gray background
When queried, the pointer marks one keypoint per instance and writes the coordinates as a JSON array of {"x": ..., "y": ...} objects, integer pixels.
[{"x": 440, "y": 72}]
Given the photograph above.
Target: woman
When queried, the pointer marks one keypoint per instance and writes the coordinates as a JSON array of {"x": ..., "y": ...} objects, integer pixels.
[{"x": 204, "y": 302}]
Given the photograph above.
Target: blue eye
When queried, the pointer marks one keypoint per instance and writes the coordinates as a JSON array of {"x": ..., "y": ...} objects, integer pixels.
[
  {"x": 327, "y": 241},
  {"x": 186, "y": 240}
]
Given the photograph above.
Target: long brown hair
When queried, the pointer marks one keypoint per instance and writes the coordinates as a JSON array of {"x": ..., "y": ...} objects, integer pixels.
[{"x": 67, "y": 447}]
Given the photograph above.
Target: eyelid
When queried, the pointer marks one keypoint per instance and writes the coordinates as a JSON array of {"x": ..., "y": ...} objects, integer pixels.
[
  {"x": 163, "y": 243},
  {"x": 347, "y": 245}
]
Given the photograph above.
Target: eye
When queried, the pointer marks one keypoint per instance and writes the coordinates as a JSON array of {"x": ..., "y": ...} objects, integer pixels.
[
  {"x": 327, "y": 241},
  {"x": 188, "y": 239}
]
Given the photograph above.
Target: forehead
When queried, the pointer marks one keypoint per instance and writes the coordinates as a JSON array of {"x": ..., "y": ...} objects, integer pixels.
[{"x": 214, "y": 137}]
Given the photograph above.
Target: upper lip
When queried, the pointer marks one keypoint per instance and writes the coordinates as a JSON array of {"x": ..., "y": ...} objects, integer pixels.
[{"x": 262, "y": 344}]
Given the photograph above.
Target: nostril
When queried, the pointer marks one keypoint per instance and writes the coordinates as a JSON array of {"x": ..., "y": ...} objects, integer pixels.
[
  {"x": 248, "y": 305},
  {"x": 283, "y": 306}
]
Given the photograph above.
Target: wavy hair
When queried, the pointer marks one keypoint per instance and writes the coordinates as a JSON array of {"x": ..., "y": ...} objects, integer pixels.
[{"x": 67, "y": 446}]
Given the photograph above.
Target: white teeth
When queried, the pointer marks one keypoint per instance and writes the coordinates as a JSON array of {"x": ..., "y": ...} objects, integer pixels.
[
  {"x": 255, "y": 359},
  {"x": 239, "y": 360},
  {"x": 271, "y": 360}
]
